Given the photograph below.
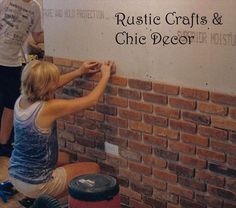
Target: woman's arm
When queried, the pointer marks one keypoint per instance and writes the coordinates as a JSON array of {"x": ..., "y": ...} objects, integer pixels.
[
  {"x": 57, "y": 108},
  {"x": 87, "y": 67}
]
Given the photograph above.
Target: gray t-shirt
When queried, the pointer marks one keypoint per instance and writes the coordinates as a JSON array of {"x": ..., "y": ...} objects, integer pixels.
[{"x": 17, "y": 19}]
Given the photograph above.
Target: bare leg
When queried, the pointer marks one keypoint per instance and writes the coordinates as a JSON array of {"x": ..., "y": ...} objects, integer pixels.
[
  {"x": 6, "y": 125},
  {"x": 77, "y": 169}
]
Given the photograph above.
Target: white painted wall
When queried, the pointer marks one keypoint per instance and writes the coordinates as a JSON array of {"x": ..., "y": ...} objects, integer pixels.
[{"x": 86, "y": 29}]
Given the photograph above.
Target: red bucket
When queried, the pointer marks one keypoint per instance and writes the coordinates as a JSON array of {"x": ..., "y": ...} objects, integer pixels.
[{"x": 94, "y": 191}]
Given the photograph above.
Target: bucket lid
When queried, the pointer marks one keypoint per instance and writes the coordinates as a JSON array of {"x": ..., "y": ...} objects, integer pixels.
[{"x": 93, "y": 187}]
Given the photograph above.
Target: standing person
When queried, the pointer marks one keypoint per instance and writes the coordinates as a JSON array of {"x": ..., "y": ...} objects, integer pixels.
[
  {"x": 18, "y": 18},
  {"x": 32, "y": 168}
]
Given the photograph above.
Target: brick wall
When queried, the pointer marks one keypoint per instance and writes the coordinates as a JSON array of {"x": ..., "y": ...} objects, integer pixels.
[{"x": 177, "y": 146}]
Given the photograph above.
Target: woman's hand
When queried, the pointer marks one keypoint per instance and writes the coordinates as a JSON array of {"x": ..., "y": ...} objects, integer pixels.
[
  {"x": 89, "y": 67},
  {"x": 107, "y": 68}
]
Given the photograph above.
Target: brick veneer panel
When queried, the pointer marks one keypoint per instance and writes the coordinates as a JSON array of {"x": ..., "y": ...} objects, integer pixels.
[{"x": 177, "y": 145}]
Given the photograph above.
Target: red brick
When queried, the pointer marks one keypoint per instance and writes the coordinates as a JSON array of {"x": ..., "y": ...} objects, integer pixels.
[
  {"x": 223, "y": 99},
  {"x": 181, "y": 170},
  {"x": 77, "y": 148},
  {"x": 94, "y": 115},
  {"x": 131, "y": 94},
  {"x": 155, "y": 120},
  {"x": 165, "y": 196},
  {"x": 184, "y": 126},
  {"x": 139, "y": 147},
  {"x": 167, "y": 112},
  {"x": 231, "y": 184},
  {"x": 140, "y": 168},
  {"x": 194, "y": 139},
  {"x": 222, "y": 193},
  {"x": 62, "y": 61},
  {"x": 111, "y": 90},
  {"x": 114, "y": 160},
  {"x": 121, "y": 142},
  {"x": 231, "y": 161},
  {"x": 190, "y": 203},
  {"x": 93, "y": 134},
  {"x": 131, "y": 115},
  {"x": 120, "y": 81},
  {"x": 129, "y": 174},
  {"x": 156, "y": 183},
  {"x": 154, "y": 202},
  {"x": 169, "y": 205},
  {"x": 179, "y": 190},
  {"x": 83, "y": 84},
  {"x": 194, "y": 93},
  {"x": 69, "y": 119},
  {"x": 193, "y": 161},
  {"x": 211, "y": 155},
  {"x": 141, "y": 188},
  {"x": 125, "y": 183},
  {"x": 154, "y": 98},
  {"x": 154, "y": 161},
  {"x": 165, "y": 89},
  {"x": 166, "y": 154},
  {"x": 165, "y": 132},
  {"x": 213, "y": 132},
  {"x": 182, "y": 103},
  {"x": 87, "y": 142},
  {"x": 229, "y": 204},
  {"x": 108, "y": 169},
  {"x": 141, "y": 127},
  {"x": 128, "y": 134},
  {"x": 121, "y": 102},
  {"x": 60, "y": 125},
  {"x": 232, "y": 137},
  {"x": 139, "y": 84},
  {"x": 181, "y": 147},
  {"x": 140, "y": 106},
  {"x": 165, "y": 175},
  {"x": 191, "y": 183},
  {"x": 232, "y": 113},
  {"x": 105, "y": 109},
  {"x": 107, "y": 129},
  {"x": 67, "y": 136},
  {"x": 209, "y": 200},
  {"x": 212, "y": 108},
  {"x": 154, "y": 140},
  {"x": 227, "y": 148},
  {"x": 130, "y": 193},
  {"x": 94, "y": 77},
  {"x": 96, "y": 153},
  {"x": 116, "y": 121},
  {"x": 137, "y": 204},
  {"x": 76, "y": 130},
  {"x": 196, "y": 118},
  {"x": 85, "y": 123},
  {"x": 130, "y": 155}
]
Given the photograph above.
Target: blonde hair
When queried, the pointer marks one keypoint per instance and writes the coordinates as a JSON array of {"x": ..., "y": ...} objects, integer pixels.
[{"x": 39, "y": 80}]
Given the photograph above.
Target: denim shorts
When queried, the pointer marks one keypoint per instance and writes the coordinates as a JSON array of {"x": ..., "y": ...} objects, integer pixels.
[{"x": 54, "y": 187}]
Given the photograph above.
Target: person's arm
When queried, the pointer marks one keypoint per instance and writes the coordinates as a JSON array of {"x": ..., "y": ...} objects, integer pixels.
[
  {"x": 86, "y": 67},
  {"x": 57, "y": 108},
  {"x": 38, "y": 37}
]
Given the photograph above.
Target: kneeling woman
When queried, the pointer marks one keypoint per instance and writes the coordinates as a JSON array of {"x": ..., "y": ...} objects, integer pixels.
[{"x": 34, "y": 162}]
